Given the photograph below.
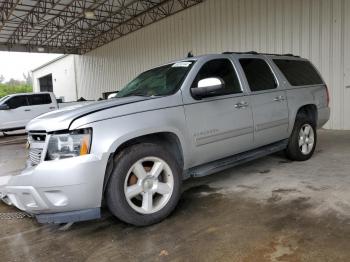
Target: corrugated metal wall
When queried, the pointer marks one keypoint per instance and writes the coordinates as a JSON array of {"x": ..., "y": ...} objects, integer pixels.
[{"x": 316, "y": 29}]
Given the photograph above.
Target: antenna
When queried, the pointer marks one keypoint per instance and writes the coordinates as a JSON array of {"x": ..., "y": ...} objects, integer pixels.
[{"x": 189, "y": 54}]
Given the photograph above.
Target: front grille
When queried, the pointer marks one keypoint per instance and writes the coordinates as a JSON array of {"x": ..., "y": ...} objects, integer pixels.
[
  {"x": 37, "y": 143},
  {"x": 35, "y": 155}
]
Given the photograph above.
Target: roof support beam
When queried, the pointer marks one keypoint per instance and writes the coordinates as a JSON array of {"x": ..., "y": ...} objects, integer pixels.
[
  {"x": 116, "y": 18},
  {"x": 81, "y": 23},
  {"x": 76, "y": 26},
  {"x": 35, "y": 17},
  {"x": 152, "y": 15},
  {"x": 23, "y": 48},
  {"x": 6, "y": 11}
]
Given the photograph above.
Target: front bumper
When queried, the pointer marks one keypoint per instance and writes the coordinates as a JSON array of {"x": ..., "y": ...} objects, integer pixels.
[{"x": 53, "y": 187}]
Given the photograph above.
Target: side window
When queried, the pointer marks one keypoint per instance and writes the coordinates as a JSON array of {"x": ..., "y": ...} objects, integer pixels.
[
  {"x": 41, "y": 99},
  {"x": 298, "y": 72},
  {"x": 220, "y": 68},
  {"x": 17, "y": 101},
  {"x": 258, "y": 74}
]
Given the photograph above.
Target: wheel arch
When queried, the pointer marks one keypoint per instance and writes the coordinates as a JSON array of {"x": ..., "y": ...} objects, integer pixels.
[
  {"x": 310, "y": 110},
  {"x": 170, "y": 139}
]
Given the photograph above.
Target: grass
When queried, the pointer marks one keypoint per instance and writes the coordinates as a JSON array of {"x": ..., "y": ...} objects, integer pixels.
[{"x": 6, "y": 89}]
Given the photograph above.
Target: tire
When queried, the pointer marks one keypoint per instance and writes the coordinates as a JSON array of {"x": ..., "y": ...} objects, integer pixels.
[
  {"x": 157, "y": 188},
  {"x": 301, "y": 148}
]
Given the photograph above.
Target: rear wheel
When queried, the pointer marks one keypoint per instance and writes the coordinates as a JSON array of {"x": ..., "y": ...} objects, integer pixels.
[
  {"x": 145, "y": 184},
  {"x": 302, "y": 142}
]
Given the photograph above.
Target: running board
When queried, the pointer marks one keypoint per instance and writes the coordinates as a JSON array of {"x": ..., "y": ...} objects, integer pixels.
[{"x": 228, "y": 162}]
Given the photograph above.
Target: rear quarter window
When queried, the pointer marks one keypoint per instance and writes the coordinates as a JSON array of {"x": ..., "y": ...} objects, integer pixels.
[
  {"x": 41, "y": 99},
  {"x": 298, "y": 72}
]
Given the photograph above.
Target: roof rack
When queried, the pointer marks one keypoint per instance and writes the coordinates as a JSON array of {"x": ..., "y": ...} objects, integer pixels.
[
  {"x": 256, "y": 53},
  {"x": 248, "y": 53}
]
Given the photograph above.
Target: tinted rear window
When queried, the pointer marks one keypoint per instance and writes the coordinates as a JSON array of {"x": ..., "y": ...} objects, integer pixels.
[
  {"x": 299, "y": 73},
  {"x": 258, "y": 74},
  {"x": 39, "y": 99}
]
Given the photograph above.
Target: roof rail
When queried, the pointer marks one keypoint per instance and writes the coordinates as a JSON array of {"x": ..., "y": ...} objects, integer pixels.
[
  {"x": 256, "y": 53},
  {"x": 280, "y": 54},
  {"x": 248, "y": 53}
]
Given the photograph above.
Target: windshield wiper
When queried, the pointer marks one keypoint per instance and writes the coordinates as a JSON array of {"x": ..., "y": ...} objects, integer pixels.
[
  {"x": 128, "y": 95},
  {"x": 139, "y": 94}
]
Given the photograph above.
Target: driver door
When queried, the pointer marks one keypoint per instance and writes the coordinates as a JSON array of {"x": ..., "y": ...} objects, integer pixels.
[
  {"x": 18, "y": 114},
  {"x": 220, "y": 125}
]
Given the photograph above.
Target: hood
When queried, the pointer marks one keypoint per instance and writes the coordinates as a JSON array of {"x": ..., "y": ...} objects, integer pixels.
[{"x": 61, "y": 119}]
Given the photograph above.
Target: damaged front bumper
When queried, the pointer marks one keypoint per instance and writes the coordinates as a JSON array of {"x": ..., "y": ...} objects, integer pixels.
[{"x": 62, "y": 191}]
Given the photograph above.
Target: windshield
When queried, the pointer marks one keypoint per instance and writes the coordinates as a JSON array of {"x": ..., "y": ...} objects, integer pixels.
[
  {"x": 3, "y": 98},
  {"x": 160, "y": 81}
]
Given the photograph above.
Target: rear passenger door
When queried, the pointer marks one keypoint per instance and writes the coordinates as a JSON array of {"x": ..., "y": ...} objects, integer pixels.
[
  {"x": 40, "y": 104},
  {"x": 270, "y": 108}
]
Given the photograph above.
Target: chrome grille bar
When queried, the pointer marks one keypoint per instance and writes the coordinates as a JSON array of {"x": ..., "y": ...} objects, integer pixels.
[{"x": 37, "y": 143}]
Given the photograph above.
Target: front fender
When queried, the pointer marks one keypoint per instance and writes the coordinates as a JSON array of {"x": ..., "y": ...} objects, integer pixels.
[{"x": 110, "y": 134}]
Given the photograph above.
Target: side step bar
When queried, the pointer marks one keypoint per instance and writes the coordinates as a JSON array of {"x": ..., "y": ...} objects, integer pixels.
[{"x": 228, "y": 162}]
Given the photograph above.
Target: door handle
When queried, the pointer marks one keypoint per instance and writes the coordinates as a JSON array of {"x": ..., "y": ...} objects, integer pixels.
[
  {"x": 27, "y": 110},
  {"x": 52, "y": 107},
  {"x": 279, "y": 98},
  {"x": 241, "y": 105}
]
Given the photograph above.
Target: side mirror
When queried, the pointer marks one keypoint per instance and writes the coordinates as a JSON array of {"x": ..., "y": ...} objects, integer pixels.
[
  {"x": 4, "y": 107},
  {"x": 208, "y": 87}
]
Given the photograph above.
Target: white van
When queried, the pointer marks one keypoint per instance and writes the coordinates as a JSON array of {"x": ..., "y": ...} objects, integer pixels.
[{"x": 18, "y": 109}]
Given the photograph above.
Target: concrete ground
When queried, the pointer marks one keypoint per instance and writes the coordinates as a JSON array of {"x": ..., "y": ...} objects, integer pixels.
[{"x": 270, "y": 209}]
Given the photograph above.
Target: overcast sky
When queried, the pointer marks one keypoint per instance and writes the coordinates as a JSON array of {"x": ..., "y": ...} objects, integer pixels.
[{"x": 14, "y": 64}]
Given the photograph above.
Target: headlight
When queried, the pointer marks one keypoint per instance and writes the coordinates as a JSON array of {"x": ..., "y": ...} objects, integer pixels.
[{"x": 75, "y": 143}]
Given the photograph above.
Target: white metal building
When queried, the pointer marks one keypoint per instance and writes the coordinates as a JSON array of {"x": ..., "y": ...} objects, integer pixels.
[
  {"x": 315, "y": 29},
  {"x": 57, "y": 76}
]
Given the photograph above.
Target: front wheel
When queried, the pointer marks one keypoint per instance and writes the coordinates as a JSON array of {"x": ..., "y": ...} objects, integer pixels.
[
  {"x": 145, "y": 184},
  {"x": 302, "y": 142}
]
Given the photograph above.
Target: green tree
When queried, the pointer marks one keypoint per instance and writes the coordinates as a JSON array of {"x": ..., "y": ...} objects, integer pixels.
[
  {"x": 28, "y": 78},
  {"x": 13, "y": 88},
  {"x": 14, "y": 82}
]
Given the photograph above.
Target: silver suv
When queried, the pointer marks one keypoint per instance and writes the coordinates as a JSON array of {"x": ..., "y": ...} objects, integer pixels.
[{"x": 187, "y": 118}]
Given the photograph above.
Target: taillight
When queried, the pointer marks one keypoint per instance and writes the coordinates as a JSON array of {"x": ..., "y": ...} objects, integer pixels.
[{"x": 327, "y": 92}]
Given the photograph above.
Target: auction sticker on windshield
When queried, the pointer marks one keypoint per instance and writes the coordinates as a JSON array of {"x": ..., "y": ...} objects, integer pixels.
[{"x": 182, "y": 64}]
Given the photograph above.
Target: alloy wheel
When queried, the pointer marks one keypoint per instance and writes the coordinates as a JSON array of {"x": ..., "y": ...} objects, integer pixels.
[
  {"x": 149, "y": 185},
  {"x": 306, "y": 139}
]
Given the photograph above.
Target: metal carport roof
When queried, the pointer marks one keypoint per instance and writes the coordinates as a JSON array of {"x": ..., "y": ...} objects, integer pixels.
[{"x": 77, "y": 27}]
